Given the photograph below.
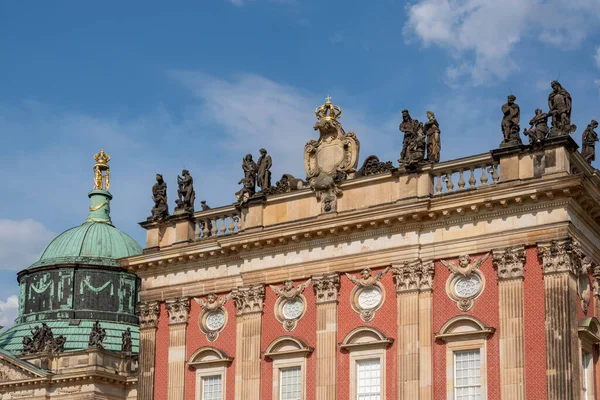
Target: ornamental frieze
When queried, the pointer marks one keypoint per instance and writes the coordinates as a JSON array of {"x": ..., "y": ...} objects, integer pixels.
[
  {"x": 213, "y": 317},
  {"x": 326, "y": 287},
  {"x": 249, "y": 299},
  {"x": 509, "y": 262},
  {"x": 148, "y": 313},
  {"x": 9, "y": 373},
  {"x": 368, "y": 294},
  {"x": 465, "y": 283},
  {"x": 291, "y": 304},
  {"x": 178, "y": 309}
]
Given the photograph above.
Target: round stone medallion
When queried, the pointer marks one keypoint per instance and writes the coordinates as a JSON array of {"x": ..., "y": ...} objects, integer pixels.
[
  {"x": 369, "y": 298},
  {"x": 467, "y": 286},
  {"x": 293, "y": 309},
  {"x": 215, "y": 320}
]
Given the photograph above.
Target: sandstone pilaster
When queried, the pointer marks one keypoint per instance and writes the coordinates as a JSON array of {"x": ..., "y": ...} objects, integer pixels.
[
  {"x": 178, "y": 310},
  {"x": 148, "y": 315}
]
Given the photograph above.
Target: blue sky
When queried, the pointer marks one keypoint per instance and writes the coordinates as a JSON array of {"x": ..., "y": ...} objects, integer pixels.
[{"x": 197, "y": 85}]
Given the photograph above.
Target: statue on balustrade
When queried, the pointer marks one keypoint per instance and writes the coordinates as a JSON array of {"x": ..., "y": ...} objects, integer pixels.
[
  {"x": 432, "y": 132},
  {"x": 287, "y": 183},
  {"x": 559, "y": 103},
  {"x": 126, "y": 342},
  {"x": 539, "y": 128},
  {"x": 510, "y": 123},
  {"x": 97, "y": 336},
  {"x": 42, "y": 340},
  {"x": 160, "y": 211},
  {"x": 186, "y": 192},
  {"x": 588, "y": 142},
  {"x": 250, "y": 169},
  {"x": 413, "y": 145},
  {"x": 204, "y": 206},
  {"x": 264, "y": 164}
]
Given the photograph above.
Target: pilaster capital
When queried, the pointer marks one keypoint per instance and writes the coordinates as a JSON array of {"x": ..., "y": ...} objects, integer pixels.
[
  {"x": 509, "y": 262},
  {"x": 148, "y": 313},
  {"x": 178, "y": 309},
  {"x": 326, "y": 287},
  {"x": 413, "y": 276},
  {"x": 558, "y": 256},
  {"x": 248, "y": 299}
]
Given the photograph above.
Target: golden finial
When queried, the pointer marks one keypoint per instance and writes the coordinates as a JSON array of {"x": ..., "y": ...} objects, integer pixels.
[
  {"x": 101, "y": 171},
  {"x": 328, "y": 111}
]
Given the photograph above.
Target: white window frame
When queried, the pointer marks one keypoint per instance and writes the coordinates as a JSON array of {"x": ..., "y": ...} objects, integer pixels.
[
  {"x": 365, "y": 357},
  {"x": 285, "y": 363},
  {"x": 202, "y": 373},
  {"x": 589, "y": 337},
  {"x": 587, "y": 375},
  {"x": 287, "y": 352},
  {"x": 454, "y": 353}
]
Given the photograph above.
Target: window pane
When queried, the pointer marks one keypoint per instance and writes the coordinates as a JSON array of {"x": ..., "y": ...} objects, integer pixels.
[
  {"x": 467, "y": 375},
  {"x": 588, "y": 375},
  {"x": 368, "y": 375},
  {"x": 290, "y": 384},
  {"x": 212, "y": 388}
]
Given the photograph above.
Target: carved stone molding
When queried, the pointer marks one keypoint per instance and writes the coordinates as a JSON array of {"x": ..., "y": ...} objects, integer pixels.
[
  {"x": 584, "y": 289},
  {"x": 368, "y": 294},
  {"x": 509, "y": 262},
  {"x": 465, "y": 283},
  {"x": 9, "y": 373},
  {"x": 213, "y": 317},
  {"x": 249, "y": 299},
  {"x": 70, "y": 389},
  {"x": 326, "y": 287},
  {"x": 412, "y": 276},
  {"x": 596, "y": 285},
  {"x": 290, "y": 306},
  {"x": 148, "y": 313},
  {"x": 560, "y": 256},
  {"x": 178, "y": 309}
]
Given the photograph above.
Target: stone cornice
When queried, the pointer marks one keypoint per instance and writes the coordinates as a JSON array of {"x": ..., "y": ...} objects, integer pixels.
[
  {"x": 178, "y": 309},
  {"x": 466, "y": 205},
  {"x": 509, "y": 262},
  {"x": 148, "y": 313}
]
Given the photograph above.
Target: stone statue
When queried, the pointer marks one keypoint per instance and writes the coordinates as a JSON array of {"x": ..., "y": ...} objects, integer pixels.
[
  {"x": 97, "y": 336},
  {"x": 248, "y": 181},
  {"x": 160, "y": 210},
  {"x": 432, "y": 132},
  {"x": 186, "y": 193},
  {"x": 588, "y": 142},
  {"x": 372, "y": 166},
  {"x": 289, "y": 291},
  {"x": 27, "y": 345},
  {"x": 58, "y": 345},
  {"x": 366, "y": 277},
  {"x": 410, "y": 128},
  {"x": 204, "y": 206},
  {"x": 250, "y": 169},
  {"x": 126, "y": 343},
  {"x": 264, "y": 170},
  {"x": 213, "y": 302},
  {"x": 42, "y": 340},
  {"x": 539, "y": 127},
  {"x": 413, "y": 145},
  {"x": 510, "y": 123},
  {"x": 287, "y": 183},
  {"x": 559, "y": 103}
]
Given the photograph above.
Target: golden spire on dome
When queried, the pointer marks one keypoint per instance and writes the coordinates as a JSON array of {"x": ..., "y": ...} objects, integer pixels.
[
  {"x": 101, "y": 171},
  {"x": 328, "y": 111}
]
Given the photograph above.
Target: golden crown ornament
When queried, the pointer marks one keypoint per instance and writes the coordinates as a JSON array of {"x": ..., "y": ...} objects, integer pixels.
[{"x": 328, "y": 111}]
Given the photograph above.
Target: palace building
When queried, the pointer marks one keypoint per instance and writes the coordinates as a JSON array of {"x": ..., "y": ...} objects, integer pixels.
[
  {"x": 474, "y": 278},
  {"x": 76, "y": 335}
]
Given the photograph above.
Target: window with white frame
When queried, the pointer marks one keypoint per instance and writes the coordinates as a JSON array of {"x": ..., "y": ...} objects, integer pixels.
[
  {"x": 467, "y": 375},
  {"x": 587, "y": 360},
  {"x": 368, "y": 375},
  {"x": 290, "y": 383},
  {"x": 212, "y": 387},
  {"x": 289, "y": 367}
]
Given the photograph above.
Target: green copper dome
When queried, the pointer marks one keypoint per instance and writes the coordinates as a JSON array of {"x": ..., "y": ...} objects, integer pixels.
[{"x": 95, "y": 242}]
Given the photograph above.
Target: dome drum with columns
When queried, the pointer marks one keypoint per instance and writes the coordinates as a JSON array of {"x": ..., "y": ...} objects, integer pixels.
[{"x": 78, "y": 281}]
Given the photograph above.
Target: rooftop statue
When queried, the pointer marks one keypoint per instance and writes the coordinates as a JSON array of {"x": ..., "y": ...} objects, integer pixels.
[
  {"x": 160, "y": 211},
  {"x": 331, "y": 158},
  {"x": 42, "y": 340},
  {"x": 126, "y": 342},
  {"x": 248, "y": 181},
  {"x": 186, "y": 192},
  {"x": 413, "y": 145},
  {"x": 539, "y": 127},
  {"x": 432, "y": 132},
  {"x": 559, "y": 103},
  {"x": 97, "y": 336},
  {"x": 588, "y": 142},
  {"x": 101, "y": 171},
  {"x": 264, "y": 170},
  {"x": 372, "y": 166},
  {"x": 287, "y": 183},
  {"x": 510, "y": 123}
]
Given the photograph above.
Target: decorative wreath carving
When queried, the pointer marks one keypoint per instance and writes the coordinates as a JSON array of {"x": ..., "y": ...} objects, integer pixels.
[
  {"x": 368, "y": 295},
  {"x": 465, "y": 283},
  {"x": 213, "y": 318},
  {"x": 290, "y": 306}
]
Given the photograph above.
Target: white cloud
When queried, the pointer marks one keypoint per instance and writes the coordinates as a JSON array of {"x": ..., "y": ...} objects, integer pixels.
[
  {"x": 238, "y": 3},
  {"x": 485, "y": 32},
  {"x": 21, "y": 242},
  {"x": 336, "y": 38},
  {"x": 8, "y": 311},
  {"x": 597, "y": 56}
]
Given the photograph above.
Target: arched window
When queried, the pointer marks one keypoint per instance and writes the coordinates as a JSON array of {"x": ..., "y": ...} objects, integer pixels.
[
  {"x": 211, "y": 371},
  {"x": 367, "y": 347},
  {"x": 289, "y": 367},
  {"x": 466, "y": 371},
  {"x": 589, "y": 336}
]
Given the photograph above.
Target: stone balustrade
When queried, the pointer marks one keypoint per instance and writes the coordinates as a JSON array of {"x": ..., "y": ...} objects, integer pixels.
[
  {"x": 217, "y": 222},
  {"x": 465, "y": 173}
]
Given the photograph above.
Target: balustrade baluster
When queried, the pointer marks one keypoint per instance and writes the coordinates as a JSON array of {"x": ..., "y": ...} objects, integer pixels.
[
  {"x": 461, "y": 180},
  {"x": 222, "y": 228},
  {"x": 495, "y": 176},
  {"x": 472, "y": 179},
  {"x": 213, "y": 231},
  {"x": 205, "y": 230},
  {"x": 448, "y": 180},
  {"x": 198, "y": 230},
  {"x": 484, "y": 177},
  {"x": 231, "y": 226},
  {"x": 238, "y": 220},
  {"x": 438, "y": 185}
]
